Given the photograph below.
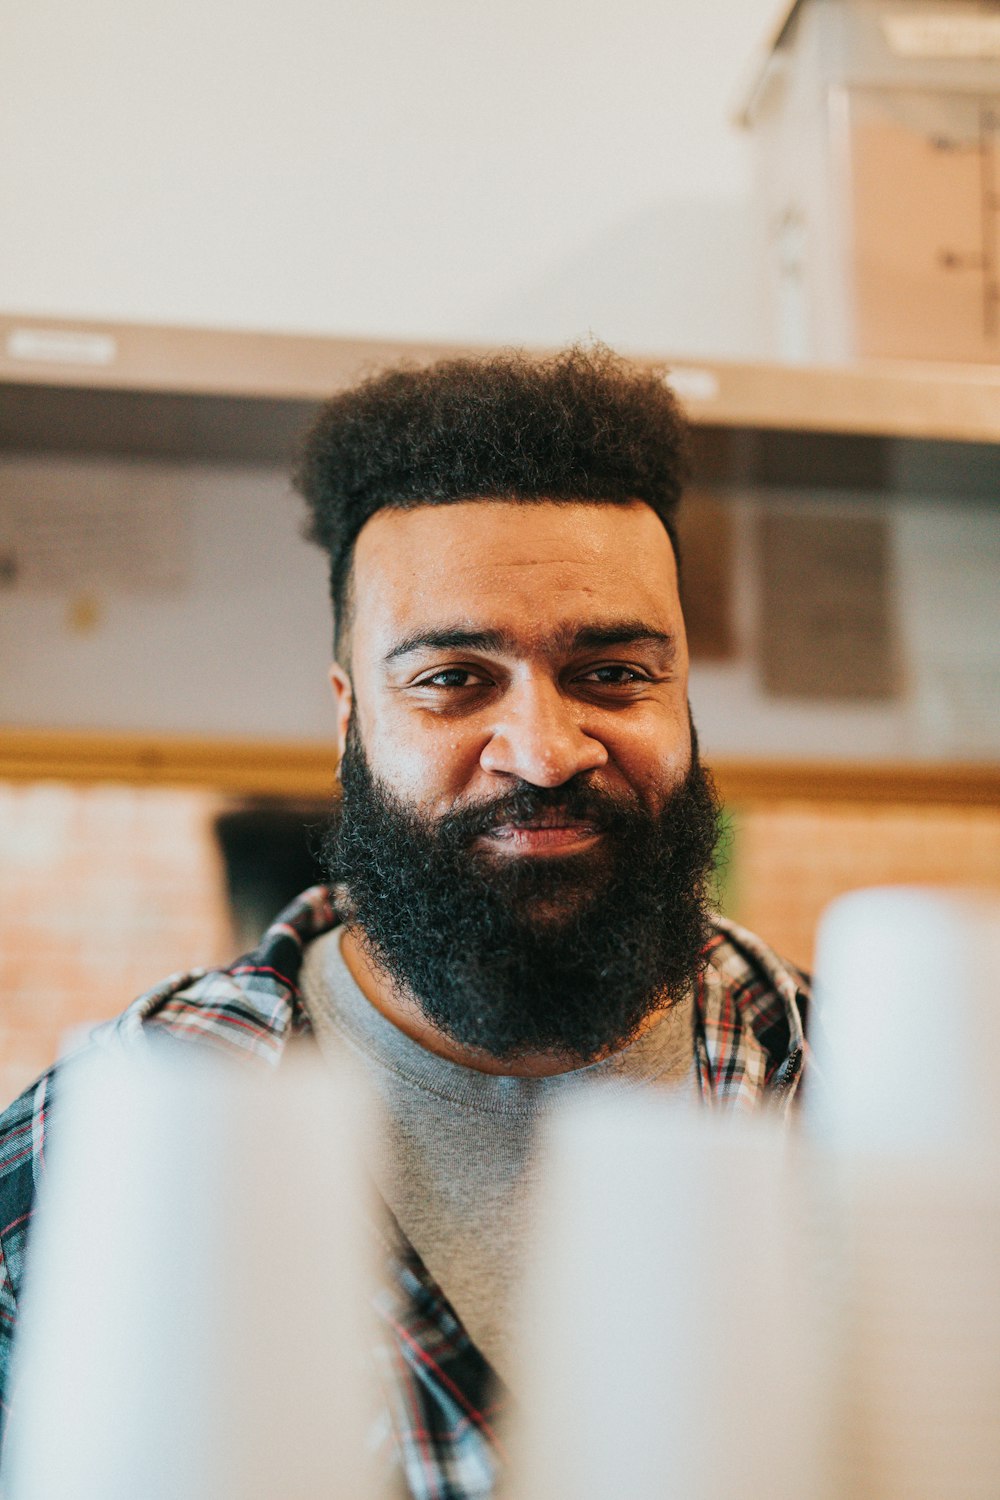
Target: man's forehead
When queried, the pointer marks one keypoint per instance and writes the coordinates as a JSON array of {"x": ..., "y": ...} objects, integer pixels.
[{"x": 492, "y": 535}]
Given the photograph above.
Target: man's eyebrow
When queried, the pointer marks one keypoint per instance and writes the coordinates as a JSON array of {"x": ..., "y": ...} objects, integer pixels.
[
  {"x": 570, "y": 638},
  {"x": 454, "y": 639},
  {"x": 622, "y": 633}
]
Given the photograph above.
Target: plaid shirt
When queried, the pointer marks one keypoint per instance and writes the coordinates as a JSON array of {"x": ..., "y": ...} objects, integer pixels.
[{"x": 443, "y": 1399}]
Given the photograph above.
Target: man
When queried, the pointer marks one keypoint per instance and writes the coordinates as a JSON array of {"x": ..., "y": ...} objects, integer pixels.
[{"x": 520, "y": 860}]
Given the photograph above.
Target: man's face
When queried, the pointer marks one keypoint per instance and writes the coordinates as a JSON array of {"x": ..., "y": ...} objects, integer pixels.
[
  {"x": 494, "y": 644},
  {"x": 525, "y": 836}
]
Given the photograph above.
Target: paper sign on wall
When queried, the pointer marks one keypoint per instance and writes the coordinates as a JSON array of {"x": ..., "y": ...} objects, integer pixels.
[
  {"x": 827, "y": 628},
  {"x": 955, "y": 32},
  {"x": 67, "y": 523}
]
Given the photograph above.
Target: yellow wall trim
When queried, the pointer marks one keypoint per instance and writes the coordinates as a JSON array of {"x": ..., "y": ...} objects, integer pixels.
[{"x": 296, "y": 768}]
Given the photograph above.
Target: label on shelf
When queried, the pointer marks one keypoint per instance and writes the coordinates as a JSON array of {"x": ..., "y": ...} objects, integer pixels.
[
  {"x": 691, "y": 383},
  {"x": 943, "y": 34},
  {"x": 61, "y": 346}
]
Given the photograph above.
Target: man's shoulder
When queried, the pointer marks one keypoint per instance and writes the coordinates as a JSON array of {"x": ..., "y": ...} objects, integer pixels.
[
  {"x": 250, "y": 1009},
  {"x": 751, "y": 968},
  {"x": 753, "y": 1008}
]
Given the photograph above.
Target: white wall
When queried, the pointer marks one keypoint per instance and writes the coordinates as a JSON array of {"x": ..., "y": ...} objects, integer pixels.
[{"x": 525, "y": 170}]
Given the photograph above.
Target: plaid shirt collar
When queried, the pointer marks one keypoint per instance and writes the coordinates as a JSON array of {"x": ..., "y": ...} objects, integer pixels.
[
  {"x": 442, "y": 1397},
  {"x": 750, "y": 1006}
]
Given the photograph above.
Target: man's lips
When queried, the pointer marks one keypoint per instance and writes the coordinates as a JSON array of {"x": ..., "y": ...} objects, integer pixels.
[{"x": 542, "y": 837}]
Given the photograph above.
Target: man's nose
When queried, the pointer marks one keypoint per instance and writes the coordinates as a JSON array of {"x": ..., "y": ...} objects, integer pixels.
[{"x": 538, "y": 738}]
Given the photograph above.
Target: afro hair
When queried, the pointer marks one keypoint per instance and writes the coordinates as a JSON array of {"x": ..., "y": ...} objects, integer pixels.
[{"x": 582, "y": 425}]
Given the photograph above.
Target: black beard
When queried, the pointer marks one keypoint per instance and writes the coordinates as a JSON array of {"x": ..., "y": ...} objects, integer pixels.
[{"x": 516, "y": 955}]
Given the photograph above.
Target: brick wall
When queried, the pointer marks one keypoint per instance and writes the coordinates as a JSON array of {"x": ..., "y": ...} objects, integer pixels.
[
  {"x": 104, "y": 890},
  {"x": 791, "y": 859}
]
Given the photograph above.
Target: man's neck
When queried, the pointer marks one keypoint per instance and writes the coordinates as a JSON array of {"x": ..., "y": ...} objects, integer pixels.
[{"x": 405, "y": 1013}]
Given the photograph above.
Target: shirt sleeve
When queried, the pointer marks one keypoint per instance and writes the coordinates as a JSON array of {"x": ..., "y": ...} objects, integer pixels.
[
  {"x": 8, "y": 1322},
  {"x": 22, "y": 1137}
]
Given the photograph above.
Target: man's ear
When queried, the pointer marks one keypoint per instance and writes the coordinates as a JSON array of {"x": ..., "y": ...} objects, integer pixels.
[{"x": 343, "y": 697}]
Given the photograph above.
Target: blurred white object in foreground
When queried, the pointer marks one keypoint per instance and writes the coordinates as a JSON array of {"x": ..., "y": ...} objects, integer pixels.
[
  {"x": 195, "y": 1314},
  {"x": 907, "y": 1027},
  {"x": 672, "y": 1342},
  {"x": 908, "y": 990}
]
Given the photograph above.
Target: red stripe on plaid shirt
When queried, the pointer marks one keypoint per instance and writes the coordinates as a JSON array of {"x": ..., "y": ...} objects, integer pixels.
[
  {"x": 475, "y": 1416},
  {"x": 12, "y": 1161},
  {"x": 181, "y": 1007},
  {"x": 263, "y": 969}
]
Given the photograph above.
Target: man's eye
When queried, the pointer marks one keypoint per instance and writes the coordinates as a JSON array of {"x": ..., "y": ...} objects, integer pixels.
[
  {"x": 451, "y": 677},
  {"x": 615, "y": 676}
]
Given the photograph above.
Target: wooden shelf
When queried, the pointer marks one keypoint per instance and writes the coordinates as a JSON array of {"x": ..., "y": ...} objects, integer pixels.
[
  {"x": 902, "y": 400},
  {"x": 298, "y": 769},
  {"x": 193, "y": 361}
]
